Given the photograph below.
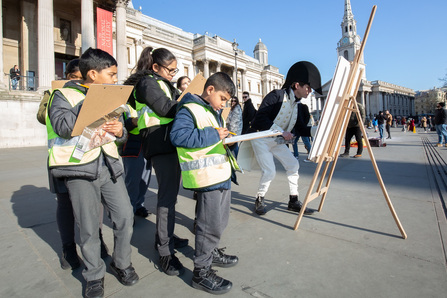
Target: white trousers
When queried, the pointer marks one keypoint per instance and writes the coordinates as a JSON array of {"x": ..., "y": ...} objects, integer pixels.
[{"x": 267, "y": 148}]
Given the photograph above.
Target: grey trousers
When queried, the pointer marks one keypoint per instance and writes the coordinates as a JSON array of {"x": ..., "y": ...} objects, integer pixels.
[
  {"x": 85, "y": 196},
  {"x": 167, "y": 171},
  {"x": 213, "y": 211},
  {"x": 137, "y": 175}
]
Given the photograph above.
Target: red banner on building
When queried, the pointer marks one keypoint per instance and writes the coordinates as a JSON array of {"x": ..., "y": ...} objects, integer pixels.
[{"x": 104, "y": 30}]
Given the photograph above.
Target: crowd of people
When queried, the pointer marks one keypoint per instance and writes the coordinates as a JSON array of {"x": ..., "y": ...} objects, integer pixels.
[
  {"x": 183, "y": 142},
  {"x": 178, "y": 139}
]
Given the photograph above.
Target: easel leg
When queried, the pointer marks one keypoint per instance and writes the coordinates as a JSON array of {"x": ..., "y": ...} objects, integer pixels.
[{"x": 309, "y": 192}]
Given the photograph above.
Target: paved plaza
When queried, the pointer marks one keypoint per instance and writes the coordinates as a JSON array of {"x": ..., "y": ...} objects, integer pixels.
[{"x": 352, "y": 248}]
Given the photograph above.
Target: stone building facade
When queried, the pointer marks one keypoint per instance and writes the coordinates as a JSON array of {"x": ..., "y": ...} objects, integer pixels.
[
  {"x": 426, "y": 100},
  {"x": 51, "y": 33},
  {"x": 42, "y": 36}
]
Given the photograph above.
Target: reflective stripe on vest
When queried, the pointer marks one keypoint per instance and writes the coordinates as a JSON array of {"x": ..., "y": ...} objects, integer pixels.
[
  {"x": 146, "y": 116},
  {"x": 203, "y": 167},
  {"x": 60, "y": 149}
]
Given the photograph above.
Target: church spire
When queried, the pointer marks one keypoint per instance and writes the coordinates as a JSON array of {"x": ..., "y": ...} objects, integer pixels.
[
  {"x": 349, "y": 42},
  {"x": 348, "y": 11}
]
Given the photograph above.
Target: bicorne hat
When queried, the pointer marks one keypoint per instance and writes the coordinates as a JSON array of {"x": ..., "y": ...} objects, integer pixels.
[{"x": 304, "y": 72}]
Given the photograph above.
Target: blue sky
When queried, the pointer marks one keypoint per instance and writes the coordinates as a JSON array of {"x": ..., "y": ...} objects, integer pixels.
[{"x": 407, "y": 44}]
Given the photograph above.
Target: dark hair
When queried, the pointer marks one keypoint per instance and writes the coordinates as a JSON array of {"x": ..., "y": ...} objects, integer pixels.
[
  {"x": 95, "y": 59},
  {"x": 149, "y": 56},
  {"x": 221, "y": 82},
  {"x": 442, "y": 104},
  {"x": 180, "y": 80},
  {"x": 246, "y": 92},
  {"x": 72, "y": 66},
  {"x": 237, "y": 102}
]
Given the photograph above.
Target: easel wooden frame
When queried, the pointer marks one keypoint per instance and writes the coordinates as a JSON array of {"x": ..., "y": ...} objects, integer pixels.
[{"x": 336, "y": 135}]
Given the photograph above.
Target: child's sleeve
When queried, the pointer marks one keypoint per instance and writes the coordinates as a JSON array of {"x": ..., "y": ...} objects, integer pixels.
[
  {"x": 63, "y": 116},
  {"x": 185, "y": 134},
  {"x": 148, "y": 91}
]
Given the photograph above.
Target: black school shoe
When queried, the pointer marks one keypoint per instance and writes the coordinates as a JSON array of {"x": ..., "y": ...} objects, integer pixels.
[
  {"x": 69, "y": 258},
  {"x": 260, "y": 206},
  {"x": 94, "y": 288},
  {"x": 295, "y": 205},
  {"x": 171, "y": 265},
  {"x": 127, "y": 277},
  {"x": 205, "y": 279},
  {"x": 222, "y": 260},
  {"x": 142, "y": 212}
]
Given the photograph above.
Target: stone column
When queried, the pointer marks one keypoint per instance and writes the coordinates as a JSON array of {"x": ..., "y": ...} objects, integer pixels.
[
  {"x": 206, "y": 68},
  {"x": 368, "y": 104},
  {"x": 87, "y": 25},
  {"x": 194, "y": 68},
  {"x": 2, "y": 79},
  {"x": 362, "y": 98},
  {"x": 121, "y": 45},
  {"x": 45, "y": 47},
  {"x": 242, "y": 80}
]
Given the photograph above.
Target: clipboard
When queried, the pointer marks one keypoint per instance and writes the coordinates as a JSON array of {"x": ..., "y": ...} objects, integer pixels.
[
  {"x": 196, "y": 86},
  {"x": 58, "y": 84},
  {"x": 100, "y": 101}
]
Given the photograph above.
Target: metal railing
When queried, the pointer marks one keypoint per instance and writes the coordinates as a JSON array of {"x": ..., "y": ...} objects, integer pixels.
[{"x": 24, "y": 83}]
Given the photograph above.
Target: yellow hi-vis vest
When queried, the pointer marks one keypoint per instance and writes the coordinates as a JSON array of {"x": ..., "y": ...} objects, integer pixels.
[
  {"x": 147, "y": 117},
  {"x": 202, "y": 167},
  {"x": 60, "y": 150}
]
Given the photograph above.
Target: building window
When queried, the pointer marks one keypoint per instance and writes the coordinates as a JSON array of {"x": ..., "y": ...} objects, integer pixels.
[
  {"x": 346, "y": 29},
  {"x": 259, "y": 88},
  {"x": 128, "y": 55},
  {"x": 249, "y": 86},
  {"x": 186, "y": 71},
  {"x": 346, "y": 55},
  {"x": 65, "y": 30}
]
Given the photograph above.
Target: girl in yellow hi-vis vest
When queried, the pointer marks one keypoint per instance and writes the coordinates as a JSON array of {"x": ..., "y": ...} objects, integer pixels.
[{"x": 156, "y": 104}]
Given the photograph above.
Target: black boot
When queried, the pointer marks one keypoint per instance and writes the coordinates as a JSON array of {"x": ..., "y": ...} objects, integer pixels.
[
  {"x": 171, "y": 265},
  {"x": 260, "y": 206},
  {"x": 295, "y": 205},
  {"x": 69, "y": 258},
  {"x": 205, "y": 279},
  {"x": 94, "y": 288},
  {"x": 222, "y": 260},
  {"x": 127, "y": 277}
]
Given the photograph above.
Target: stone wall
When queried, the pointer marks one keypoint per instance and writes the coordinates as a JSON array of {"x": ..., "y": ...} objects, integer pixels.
[{"x": 19, "y": 126}]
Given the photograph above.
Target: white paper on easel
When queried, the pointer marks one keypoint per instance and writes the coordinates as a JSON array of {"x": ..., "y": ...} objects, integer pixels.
[{"x": 331, "y": 107}]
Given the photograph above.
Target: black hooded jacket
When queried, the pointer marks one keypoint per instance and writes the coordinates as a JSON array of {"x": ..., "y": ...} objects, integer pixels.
[{"x": 148, "y": 91}]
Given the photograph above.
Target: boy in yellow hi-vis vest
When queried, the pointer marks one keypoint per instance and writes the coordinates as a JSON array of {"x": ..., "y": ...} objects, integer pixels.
[
  {"x": 197, "y": 132},
  {"x": 96, "y": 178}
]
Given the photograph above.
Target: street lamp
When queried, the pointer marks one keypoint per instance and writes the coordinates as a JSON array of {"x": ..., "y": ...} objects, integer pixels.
[{"x": 235, "y": 49}]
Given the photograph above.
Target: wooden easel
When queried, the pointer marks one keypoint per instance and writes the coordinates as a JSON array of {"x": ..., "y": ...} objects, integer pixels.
[{"x": 336, "y": 135}]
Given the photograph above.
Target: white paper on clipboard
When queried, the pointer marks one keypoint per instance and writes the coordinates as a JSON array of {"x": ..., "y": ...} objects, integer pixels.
[{"x": 252, "y": 136}]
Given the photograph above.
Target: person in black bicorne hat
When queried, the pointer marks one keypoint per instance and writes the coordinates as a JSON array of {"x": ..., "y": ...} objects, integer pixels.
[{"x": 279, "y": 110}]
